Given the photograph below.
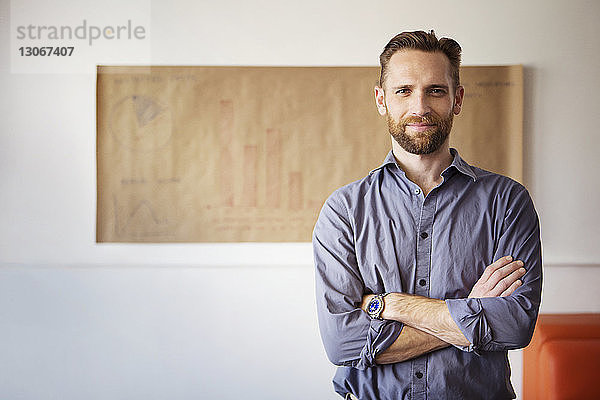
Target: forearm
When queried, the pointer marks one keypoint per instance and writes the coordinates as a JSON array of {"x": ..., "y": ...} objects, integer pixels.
[
  {"x": 410, "y": 344},
  {"x": 427, "y": 315}
]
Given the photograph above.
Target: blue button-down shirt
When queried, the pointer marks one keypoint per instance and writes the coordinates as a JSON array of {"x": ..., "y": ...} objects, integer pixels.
[{"x": 381, "y": 234}]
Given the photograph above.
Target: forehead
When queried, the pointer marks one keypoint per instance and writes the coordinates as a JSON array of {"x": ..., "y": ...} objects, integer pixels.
[{"x": 418, "y": 67}]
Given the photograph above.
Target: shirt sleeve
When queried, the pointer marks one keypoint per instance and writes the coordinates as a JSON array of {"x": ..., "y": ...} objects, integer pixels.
[
  {"x": 350, "y": 336},
  {"x": 506, "y": 323}
]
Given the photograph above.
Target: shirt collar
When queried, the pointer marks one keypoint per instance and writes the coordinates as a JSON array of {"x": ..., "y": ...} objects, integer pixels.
[
  {"x": 457, "y": 162},
  {"x": 461, "y": 165},
  {"x": 389, "y": 159}
]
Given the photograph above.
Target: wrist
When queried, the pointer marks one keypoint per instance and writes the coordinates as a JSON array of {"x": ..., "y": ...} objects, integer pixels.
[
  {"x": 401, "y": 307},
  {"x": 393, "y": 306},
  {"x": 365, "y": 302}
]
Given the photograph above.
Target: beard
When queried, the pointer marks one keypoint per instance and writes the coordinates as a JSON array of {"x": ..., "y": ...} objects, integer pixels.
[{"x": 425, "y": 142}]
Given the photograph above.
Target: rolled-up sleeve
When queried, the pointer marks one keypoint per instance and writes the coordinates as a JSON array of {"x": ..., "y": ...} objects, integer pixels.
[
  {"x": 350, "y": 336},
  {"x": 506, "y": 323}
]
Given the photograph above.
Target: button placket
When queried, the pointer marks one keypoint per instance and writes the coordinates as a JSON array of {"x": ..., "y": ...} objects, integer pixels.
[
  {"x": 425, "y": 226},
  {"x": 422, "y": 270},
  {"x": 419, "y": 381}
]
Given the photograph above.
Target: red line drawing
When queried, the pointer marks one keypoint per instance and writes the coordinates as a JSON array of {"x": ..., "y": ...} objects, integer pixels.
[
  {"x": 296, "y": 192},
  {"x": 250, "y": 169},
  {"x": 226, "y": 159},
  {"x": 273, "y": 165}
]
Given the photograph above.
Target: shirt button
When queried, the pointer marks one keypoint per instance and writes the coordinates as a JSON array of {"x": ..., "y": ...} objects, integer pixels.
[
  {"x": 419, "y": 374},
  {"x": 424, "y": 235},
  {"x": 422, "y": 282},
  {"x": 417, "y": 191}
]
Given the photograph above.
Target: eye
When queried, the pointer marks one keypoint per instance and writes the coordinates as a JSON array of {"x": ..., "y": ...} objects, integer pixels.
[
  {"x": 402, "y": 91},
  {"x": 437, "y": 92}
]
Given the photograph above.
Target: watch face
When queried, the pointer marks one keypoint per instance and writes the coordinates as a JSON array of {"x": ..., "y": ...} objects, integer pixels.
[{"x": 374, "y": 305}]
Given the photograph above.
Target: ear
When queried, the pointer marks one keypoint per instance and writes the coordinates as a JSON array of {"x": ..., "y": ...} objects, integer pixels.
[
  {"x": 458, "y": 99},
  {"x": 380, "y": 100}
]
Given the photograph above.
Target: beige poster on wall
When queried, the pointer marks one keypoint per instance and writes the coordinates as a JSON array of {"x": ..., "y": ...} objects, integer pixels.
[
  {"x": 488, "y": 132},
  {"x": 249, "y": 154}
]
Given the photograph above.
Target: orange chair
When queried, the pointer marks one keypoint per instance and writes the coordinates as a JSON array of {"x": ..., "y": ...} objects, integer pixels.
[{"x": 562, "y": 361}]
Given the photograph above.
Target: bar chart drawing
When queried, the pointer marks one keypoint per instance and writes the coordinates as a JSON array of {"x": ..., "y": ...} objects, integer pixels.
[
  {"x": 265, "y": 178},
  {"x": 228, "y": 154}
]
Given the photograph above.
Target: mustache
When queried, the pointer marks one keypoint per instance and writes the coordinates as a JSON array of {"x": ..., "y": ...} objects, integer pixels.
[{"x": 429, "y": 120}]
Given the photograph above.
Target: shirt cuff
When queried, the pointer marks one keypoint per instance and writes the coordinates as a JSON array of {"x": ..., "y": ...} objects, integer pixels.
[
  {"x": 380, "y": 336},
  {"x": 469, "y": 317}
]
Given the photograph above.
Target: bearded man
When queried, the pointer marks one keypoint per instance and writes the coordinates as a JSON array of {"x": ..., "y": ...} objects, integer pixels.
[{"x": 428, "y": 269}]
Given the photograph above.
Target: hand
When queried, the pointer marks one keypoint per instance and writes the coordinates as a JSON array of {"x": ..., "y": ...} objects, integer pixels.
[{"x": 499, "y": 279}]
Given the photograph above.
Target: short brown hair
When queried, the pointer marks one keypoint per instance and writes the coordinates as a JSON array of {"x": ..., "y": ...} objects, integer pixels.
[{"x": 420, "y": 40}]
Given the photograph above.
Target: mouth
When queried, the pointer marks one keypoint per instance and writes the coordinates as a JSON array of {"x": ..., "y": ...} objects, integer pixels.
[{"x": 420, "y": 127}]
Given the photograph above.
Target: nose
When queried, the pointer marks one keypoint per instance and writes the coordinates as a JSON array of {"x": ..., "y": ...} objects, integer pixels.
[{"x": 419, "y": 105}]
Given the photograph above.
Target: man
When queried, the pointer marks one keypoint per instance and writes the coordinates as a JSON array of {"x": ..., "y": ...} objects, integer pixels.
[{"x": 407, "y": 307}]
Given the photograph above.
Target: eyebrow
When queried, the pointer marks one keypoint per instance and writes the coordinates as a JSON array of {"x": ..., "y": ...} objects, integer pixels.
[
  {"x": 438, "y": 86},
  {"x": 433, "y": 86}
]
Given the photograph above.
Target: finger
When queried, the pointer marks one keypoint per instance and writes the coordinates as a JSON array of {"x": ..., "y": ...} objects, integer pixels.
[
  {"x": 503, "y": 272},
  {"x": 490, "y": 269},
  {"x": 506, "y": 282},
  {"x": 511, "y": 288}
]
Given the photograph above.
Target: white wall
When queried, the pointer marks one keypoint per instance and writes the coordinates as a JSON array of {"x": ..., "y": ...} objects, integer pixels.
[{"x": 83, "y": 320}]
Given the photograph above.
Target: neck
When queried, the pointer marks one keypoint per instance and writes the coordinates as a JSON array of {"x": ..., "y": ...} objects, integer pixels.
[{"x": 423, "y": 169}]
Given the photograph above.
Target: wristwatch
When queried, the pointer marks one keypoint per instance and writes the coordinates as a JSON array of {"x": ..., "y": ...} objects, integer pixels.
[{"x": 376, "y": 306}]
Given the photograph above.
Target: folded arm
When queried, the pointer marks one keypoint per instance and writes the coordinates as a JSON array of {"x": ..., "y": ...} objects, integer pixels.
[
  {"x": 501, "y": 311},
  {"x": 410, "y": 344},
  {"x": 499, "y": 314},
  {"x": 428, "y": 323}
]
